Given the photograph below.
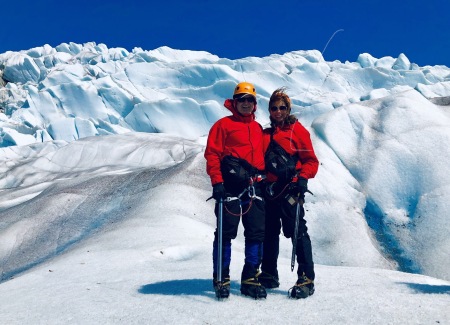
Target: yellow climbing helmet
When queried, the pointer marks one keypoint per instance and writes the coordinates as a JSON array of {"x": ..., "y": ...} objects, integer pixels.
[{"x": 244, "y": 88}]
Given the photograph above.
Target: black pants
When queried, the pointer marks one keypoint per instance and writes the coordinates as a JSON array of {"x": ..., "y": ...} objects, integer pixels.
[
  {"x": 280, "y": 214},
  {"x": 253, "y": 220}
]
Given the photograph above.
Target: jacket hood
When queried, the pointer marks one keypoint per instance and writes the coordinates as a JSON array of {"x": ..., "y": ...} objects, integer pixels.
[{"x": 229, "y": 104}]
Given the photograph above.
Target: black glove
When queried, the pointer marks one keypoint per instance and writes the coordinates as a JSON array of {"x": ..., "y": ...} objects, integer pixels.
[
  {"x": 218, "y": 192},
  {"x": 300, "y": 187}
]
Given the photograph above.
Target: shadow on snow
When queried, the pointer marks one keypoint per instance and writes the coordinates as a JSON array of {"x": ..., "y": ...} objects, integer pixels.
[
  {"x": 428, "y": 288},
  {"x": 192, "y": 287}
]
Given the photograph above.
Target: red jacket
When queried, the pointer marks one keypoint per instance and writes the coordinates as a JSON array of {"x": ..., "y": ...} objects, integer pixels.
[
  {"x": 295, "y": 139},
  {"x": 236, "y": 135}
]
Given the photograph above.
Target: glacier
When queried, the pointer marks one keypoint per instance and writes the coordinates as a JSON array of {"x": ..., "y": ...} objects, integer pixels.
[{"x": 103, "y": 212}]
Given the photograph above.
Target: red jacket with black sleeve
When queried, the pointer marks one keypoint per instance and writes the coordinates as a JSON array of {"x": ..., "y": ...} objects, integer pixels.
[
  {"x": 236, "y": 135},
  {"x": 296, "y": 140}
]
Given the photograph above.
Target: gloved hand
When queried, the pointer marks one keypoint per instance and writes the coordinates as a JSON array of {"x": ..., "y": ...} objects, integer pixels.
[
  {"x": 218, "y": 192},
  {"x": 300, "y": 187}
]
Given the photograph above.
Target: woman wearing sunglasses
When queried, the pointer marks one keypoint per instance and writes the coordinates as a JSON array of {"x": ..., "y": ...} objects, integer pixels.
[
  {"x": 235, "y": 163},
  {"x": 290, "y": 161}
]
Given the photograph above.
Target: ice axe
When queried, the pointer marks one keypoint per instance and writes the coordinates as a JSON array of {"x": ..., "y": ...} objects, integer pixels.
[
  {"x": 221, "y": 291},
  {"x": 219, "y": 239},
  {"x": 295, "y": 236}
]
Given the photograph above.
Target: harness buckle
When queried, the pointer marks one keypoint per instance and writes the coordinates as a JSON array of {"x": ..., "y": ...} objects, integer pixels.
[{"x": 258, "y": 178}]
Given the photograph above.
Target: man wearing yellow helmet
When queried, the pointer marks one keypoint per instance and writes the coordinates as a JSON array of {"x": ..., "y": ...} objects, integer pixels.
[{"x": 235, "y": 164}]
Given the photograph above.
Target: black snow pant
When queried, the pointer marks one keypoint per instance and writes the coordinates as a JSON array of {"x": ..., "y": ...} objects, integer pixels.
[
  {"x": 280, "y": 214},
  {"x": 253, "y": 215}
]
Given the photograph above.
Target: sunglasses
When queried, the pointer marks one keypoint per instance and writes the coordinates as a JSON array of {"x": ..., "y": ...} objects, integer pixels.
[
  {"x": 275, "y": 108},
  {"x": 246, "y": 99}
]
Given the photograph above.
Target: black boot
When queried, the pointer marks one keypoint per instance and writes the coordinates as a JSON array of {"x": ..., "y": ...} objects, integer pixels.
[
  {"x": 302, "y": 289},
  {"x": 222, "y": 288},
  {"x": 269, "y": 281},
  {"x": 250, "y": 285}
]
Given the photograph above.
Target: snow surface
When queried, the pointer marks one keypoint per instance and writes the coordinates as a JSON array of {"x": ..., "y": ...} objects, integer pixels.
[{"x": 116, "y": 229}]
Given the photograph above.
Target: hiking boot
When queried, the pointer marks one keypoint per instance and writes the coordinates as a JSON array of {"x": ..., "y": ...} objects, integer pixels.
[
  {"x": 302, "y": 289},
  {"x": 268, "y": 281},
  {"x": 222, "y": 289},
  {"x": 251, "y": 287}
]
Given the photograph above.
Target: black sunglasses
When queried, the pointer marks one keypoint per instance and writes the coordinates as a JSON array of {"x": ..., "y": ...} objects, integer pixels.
[
  {"x": 248, "y": 99},
  {"x": 275, "y": 108}
]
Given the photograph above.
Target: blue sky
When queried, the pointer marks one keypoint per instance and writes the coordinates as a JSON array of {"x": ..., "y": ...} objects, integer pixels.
[{"x": 235, "y": 29}]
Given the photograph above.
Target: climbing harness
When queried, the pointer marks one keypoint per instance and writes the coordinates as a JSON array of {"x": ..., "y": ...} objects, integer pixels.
[{"x": 246, "y": 199}]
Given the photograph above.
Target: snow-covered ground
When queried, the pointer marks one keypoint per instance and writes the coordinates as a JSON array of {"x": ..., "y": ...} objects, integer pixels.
[{"x": 116, "y": 228}]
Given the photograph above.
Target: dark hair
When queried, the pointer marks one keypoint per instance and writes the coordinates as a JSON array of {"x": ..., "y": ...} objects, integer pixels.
[{"x": 280, "y": 94}]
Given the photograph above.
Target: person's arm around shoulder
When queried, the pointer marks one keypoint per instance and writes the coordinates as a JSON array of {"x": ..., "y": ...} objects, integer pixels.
[{"x": 266, "y": 138}]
